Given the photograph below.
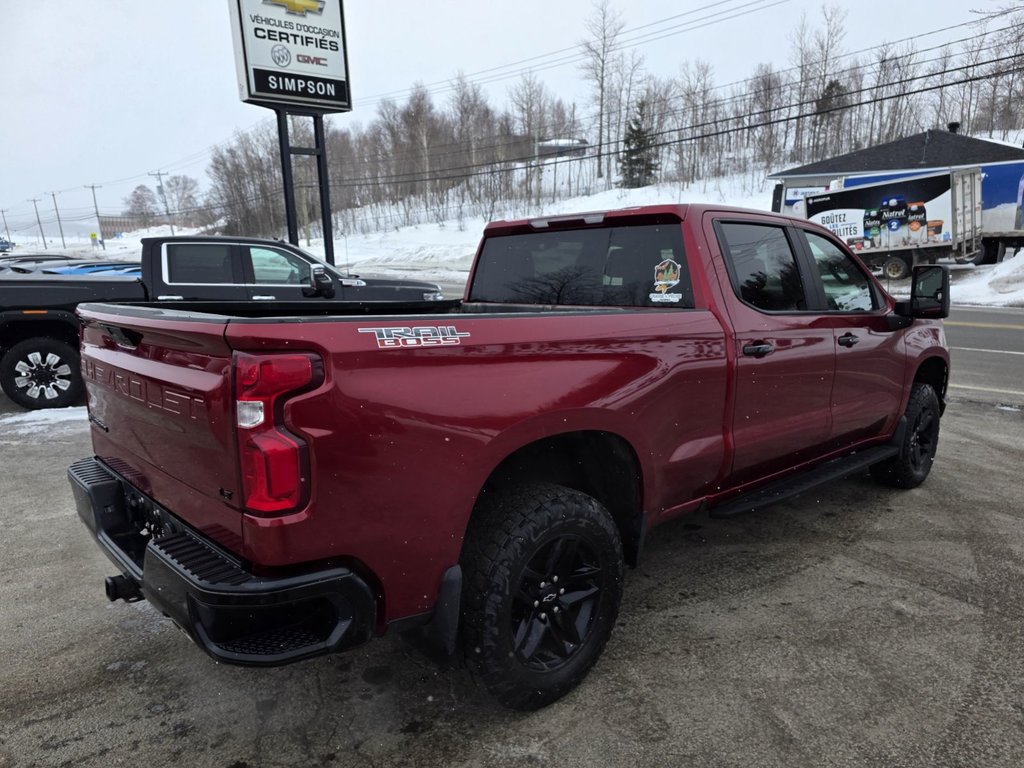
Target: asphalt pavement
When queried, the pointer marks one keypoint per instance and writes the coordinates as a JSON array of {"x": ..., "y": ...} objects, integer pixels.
[
  {"x": 853, "y": 626},
  {"x": 987, "y": 353}
]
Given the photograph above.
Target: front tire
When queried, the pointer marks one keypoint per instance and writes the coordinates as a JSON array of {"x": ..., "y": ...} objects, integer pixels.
[
  {"x": 543, "y": 573},
  {"x": 41, "y": 373},
  {"x": 910, "y": 467}
]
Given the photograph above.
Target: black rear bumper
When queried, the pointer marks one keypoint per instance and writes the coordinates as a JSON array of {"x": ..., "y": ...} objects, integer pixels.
[{"x": 232, "y": 614}]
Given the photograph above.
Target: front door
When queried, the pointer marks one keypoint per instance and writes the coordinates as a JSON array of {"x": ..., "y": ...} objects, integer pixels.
[
  {"x": 276, "y": 274},
  {"x": 870, "y": 364}
]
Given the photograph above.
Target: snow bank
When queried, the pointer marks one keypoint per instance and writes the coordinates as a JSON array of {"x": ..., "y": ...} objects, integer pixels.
[
  {"x": 43, "y": 422},
  {"x": 998, "y": 286}
]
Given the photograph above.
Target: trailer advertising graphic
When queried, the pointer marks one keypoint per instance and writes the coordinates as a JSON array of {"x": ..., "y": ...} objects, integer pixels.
[
  {"x": 906, "y": 214},
  {"x": 291, "y": 53}
]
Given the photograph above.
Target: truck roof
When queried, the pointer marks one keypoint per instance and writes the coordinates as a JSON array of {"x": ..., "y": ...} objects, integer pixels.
[{"x": 669, "y": 211}]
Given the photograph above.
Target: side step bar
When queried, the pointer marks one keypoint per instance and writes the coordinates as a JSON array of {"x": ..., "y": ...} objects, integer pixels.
[{"x": 792, "y": 486}]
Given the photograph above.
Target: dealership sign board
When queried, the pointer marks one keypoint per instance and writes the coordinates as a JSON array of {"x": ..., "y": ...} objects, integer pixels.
[{"x": 291, "y": 53}]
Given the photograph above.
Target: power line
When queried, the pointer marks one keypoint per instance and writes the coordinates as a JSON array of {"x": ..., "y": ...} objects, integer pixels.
[
  {"x": 94, "y": 187},
  {"x": 60, "y": 226},
  {"x": 469, "y": 171},
  {"x": 163, "y": 194},
  {"x": 35, "y": 204}
]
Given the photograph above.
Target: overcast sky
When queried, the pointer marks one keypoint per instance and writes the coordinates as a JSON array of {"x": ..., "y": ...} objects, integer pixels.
[{"x": 106, "y": 91}]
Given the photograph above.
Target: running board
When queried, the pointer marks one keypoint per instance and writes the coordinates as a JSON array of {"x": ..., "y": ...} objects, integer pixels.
[{"x": 794, "y": 485}]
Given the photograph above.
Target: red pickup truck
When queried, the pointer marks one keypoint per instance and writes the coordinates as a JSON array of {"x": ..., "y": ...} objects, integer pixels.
[{"x": 286, "y": 481}]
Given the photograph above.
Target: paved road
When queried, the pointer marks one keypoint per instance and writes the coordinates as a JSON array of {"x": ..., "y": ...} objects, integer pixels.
[
  {"x": 987, "y": 352},
  {"x": 853, "y": 626}
]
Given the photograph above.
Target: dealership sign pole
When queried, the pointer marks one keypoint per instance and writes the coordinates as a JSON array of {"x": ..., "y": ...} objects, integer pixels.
[{"x": 291, "y": 57}]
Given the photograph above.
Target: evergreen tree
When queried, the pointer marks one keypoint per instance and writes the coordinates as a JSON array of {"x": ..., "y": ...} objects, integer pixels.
[{"x": 638, "y": 163}]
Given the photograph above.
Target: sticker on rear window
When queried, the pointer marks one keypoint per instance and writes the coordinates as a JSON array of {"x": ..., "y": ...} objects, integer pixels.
[{"x": 666, "y": 276}]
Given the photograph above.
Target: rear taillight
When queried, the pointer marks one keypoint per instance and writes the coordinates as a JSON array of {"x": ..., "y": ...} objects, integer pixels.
[{"x": 275, "y": 462}]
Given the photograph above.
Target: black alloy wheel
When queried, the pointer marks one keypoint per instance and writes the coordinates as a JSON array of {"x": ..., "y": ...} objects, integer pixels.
[
  {"x": 556, "y": 603},
  {"x": 542, "y": 581},
  {"x": 924, "y": 437},
  {"x": 910, "y": 467}
]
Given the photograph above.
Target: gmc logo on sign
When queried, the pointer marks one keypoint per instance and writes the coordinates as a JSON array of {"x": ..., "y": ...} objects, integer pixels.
[{"x": 320, "y": 61}]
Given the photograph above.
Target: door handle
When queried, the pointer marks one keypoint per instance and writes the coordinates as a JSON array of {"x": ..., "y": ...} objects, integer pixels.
[
  {"x": 264, "y": 298},
  {"x": 169, "y": 297},
  {"x": 848, "y": 340},
  {"x": 758, "y": 350}
]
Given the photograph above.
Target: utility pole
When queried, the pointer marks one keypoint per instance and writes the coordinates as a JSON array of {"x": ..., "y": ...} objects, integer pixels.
[
  {"x": 59, "y": 225},
  {"x": 34, "y": 202},
  {"x": 160, "y": 181},
  {"x": 3, "y": 212},
  {"x": 94, "y": 187}
]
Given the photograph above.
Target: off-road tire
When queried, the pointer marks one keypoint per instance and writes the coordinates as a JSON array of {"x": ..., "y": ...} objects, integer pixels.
[
  {"x": 41, "y": 373},
  {"x": 910, "y": 467},
  {"x": 513, "y": 538}
]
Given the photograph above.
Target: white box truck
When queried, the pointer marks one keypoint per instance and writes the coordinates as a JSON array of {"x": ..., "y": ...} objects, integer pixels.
[{"x": 897, "y": 224}]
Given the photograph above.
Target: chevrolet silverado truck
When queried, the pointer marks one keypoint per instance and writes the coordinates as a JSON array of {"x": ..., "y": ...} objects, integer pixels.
[
  {"x": 39, "y": 363},
  {"x": 284, "y": 484}
]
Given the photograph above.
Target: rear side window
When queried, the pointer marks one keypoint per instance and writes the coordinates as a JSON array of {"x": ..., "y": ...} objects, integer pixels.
[
  {"x": 762, "y": 266},
  {"x": 199, "y": 263},
  {"x": 637, "y": 266}
]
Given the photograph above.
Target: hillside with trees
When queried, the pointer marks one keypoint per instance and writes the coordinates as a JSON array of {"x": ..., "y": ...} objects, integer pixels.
[{"x": 440, "y": 159}]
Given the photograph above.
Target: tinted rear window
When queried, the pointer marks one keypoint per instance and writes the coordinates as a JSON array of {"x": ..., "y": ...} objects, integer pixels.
[
  {"x": 638, "y": 266},
  {"x": 199, "y": 263}
]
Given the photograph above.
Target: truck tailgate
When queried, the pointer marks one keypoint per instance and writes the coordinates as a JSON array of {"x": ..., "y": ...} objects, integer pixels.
[{"x": 160, "y": 406}]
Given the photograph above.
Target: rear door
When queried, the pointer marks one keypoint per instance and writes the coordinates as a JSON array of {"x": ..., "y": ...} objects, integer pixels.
[
  {"x": 870, "y": 357},
  {"x": 201, "y": 271},
  {"x": 785, "y": 359}
]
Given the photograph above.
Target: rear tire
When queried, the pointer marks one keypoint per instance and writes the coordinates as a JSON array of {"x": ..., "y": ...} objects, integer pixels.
[
  {"x": 543, "y": 573},
  {"x": 895, "y": 268},
  {"x": 41, "y": 373},
  {"x": 910, "y": 467}
]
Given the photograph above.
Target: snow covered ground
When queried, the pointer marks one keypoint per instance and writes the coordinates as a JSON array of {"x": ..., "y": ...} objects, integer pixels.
[
  {"x": 444, "y": 252},
  {"x": 14, "y": 427}
]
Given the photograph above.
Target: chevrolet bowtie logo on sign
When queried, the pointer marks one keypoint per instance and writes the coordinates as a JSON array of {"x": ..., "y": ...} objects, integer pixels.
[{"x": 299, "y": 7}]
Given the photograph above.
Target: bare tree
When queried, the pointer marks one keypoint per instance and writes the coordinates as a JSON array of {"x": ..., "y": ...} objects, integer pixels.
[
  {"x": 604, "y": 27},
  {"x": 529, "y": 98},
  {"x": 141, "y": 204},
  {"x": 182, "y": 193}
]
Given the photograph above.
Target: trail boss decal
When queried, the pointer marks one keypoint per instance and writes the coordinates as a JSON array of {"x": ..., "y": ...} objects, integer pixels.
[{"x": 420, "y": 336}]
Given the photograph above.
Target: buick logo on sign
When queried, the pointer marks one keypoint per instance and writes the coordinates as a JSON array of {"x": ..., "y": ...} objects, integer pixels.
[{"x": 281, "y": 55}]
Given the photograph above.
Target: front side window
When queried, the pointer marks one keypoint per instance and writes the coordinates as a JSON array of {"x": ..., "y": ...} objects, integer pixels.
[
  {"x": 762, "y": 266},
  {"x": 199, "y": 264},
  {"x": 847, "y": 288},
  {"x": 635, "y": 266},
  {"x": 273, "y": 267}
]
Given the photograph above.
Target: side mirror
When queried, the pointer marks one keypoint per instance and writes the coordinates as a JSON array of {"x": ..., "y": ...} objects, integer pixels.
[
  {"x": 929, "y": 294},
  {"x": 320, "y": 284}
]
